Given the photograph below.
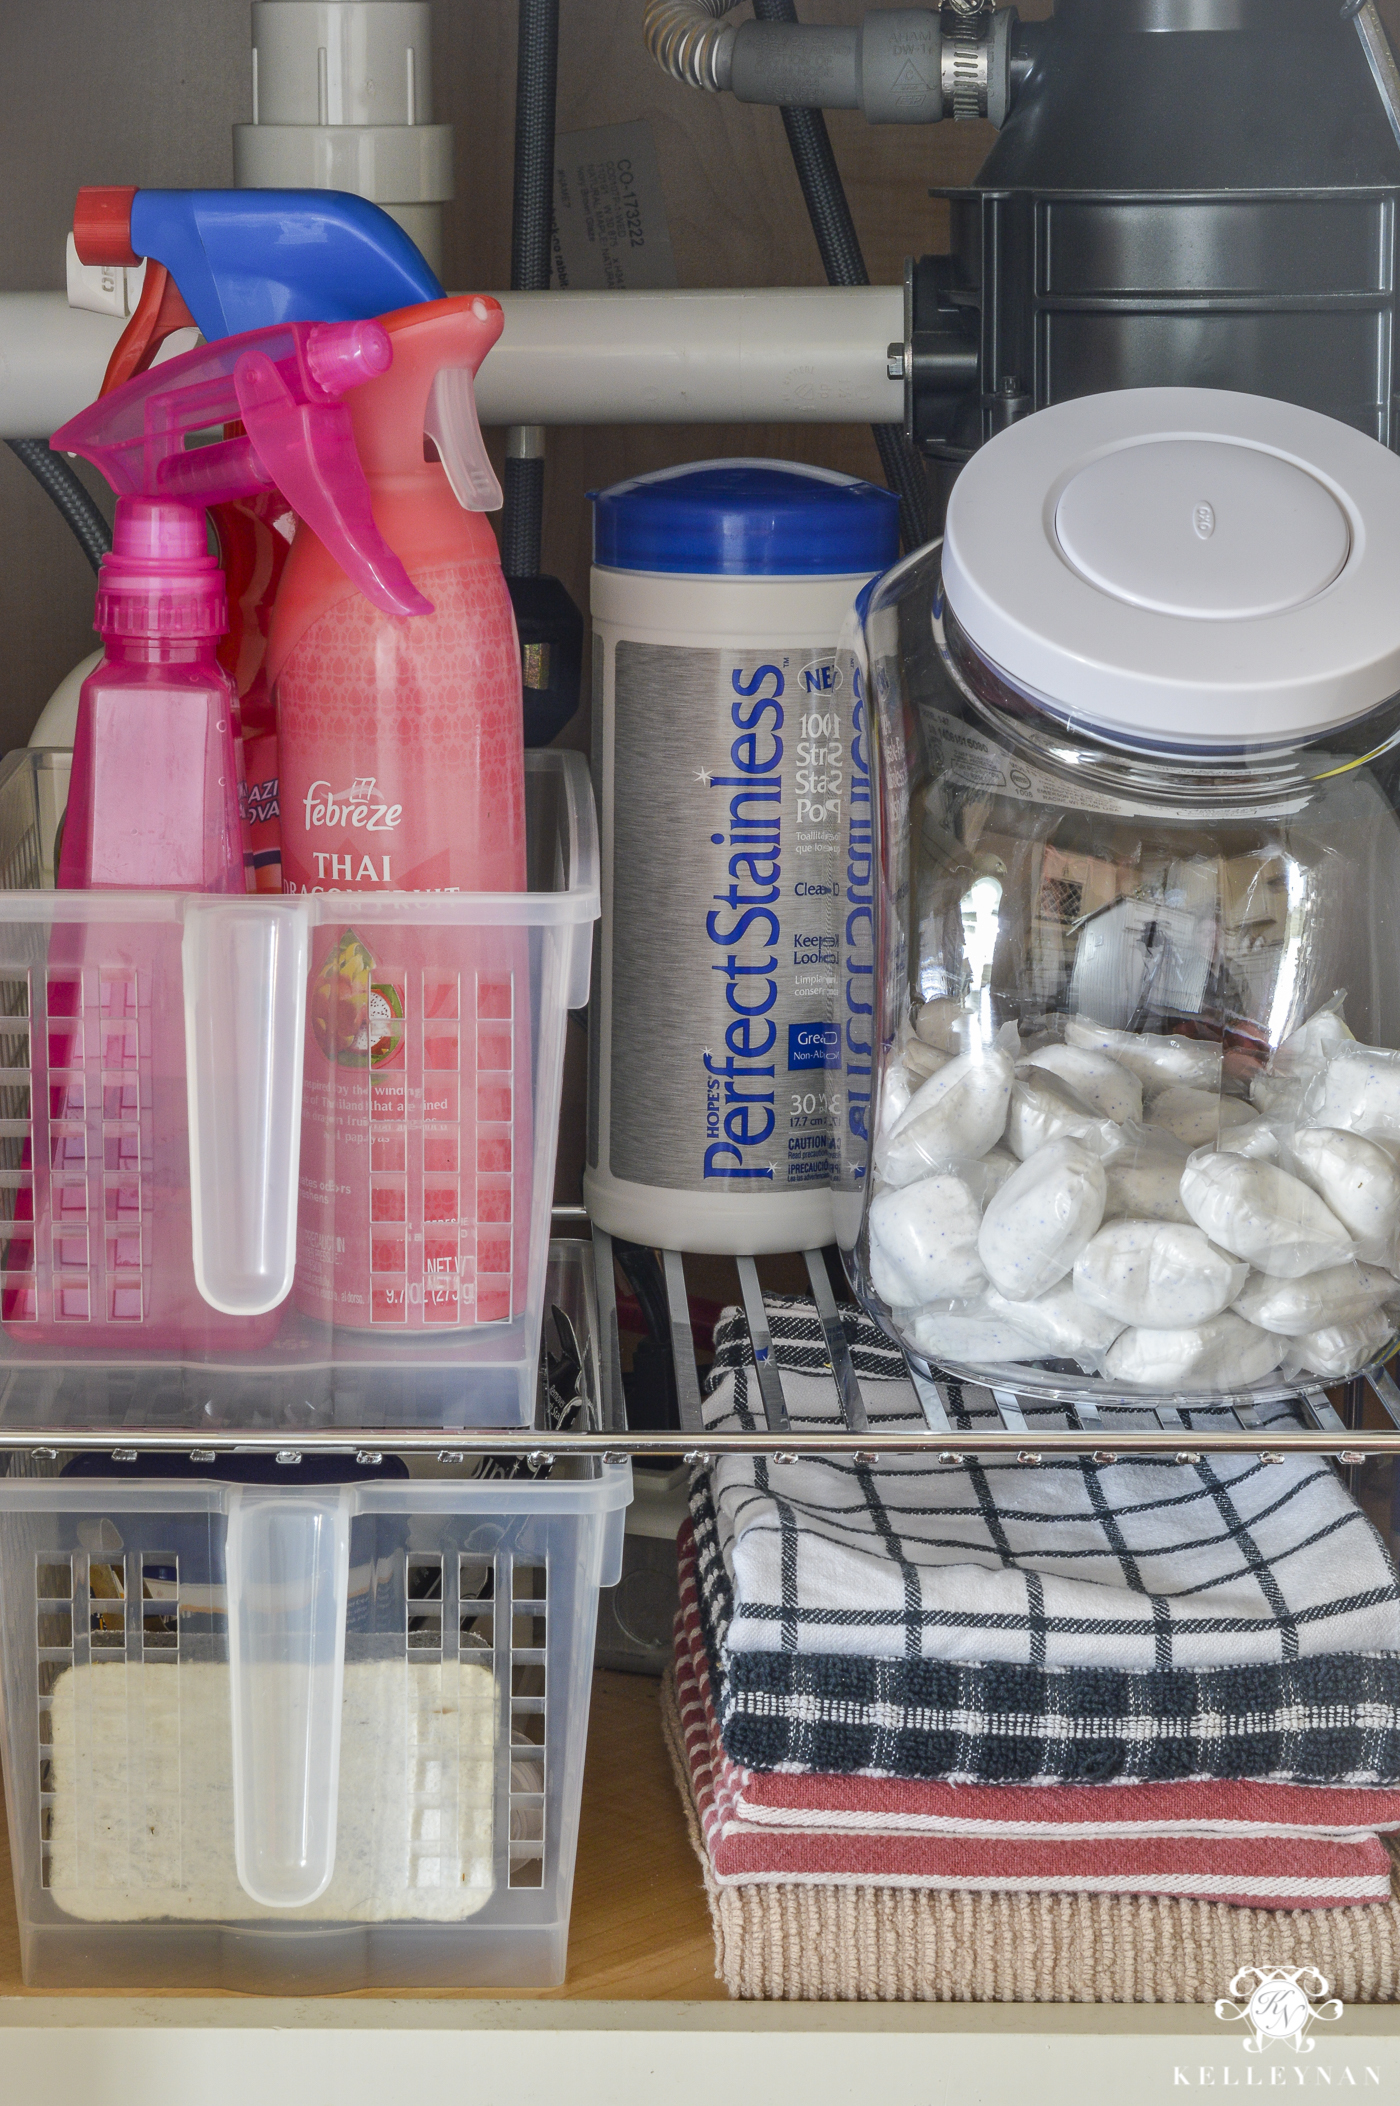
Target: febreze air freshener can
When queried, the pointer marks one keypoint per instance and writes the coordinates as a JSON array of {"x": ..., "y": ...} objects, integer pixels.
[{"x": 719, "y": 591}]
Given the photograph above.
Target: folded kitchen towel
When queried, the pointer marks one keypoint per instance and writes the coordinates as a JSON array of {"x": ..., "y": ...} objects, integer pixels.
[
  {"x": 1139, "y": 1566},
  {"x": 795, "y": 1801},
  {"x": 1257, "y": 1869},
  {"x": 1327, "y": 1721},
  {"x": 821, "y": 1941}
]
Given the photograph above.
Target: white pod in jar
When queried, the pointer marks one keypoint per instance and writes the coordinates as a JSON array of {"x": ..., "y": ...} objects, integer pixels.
[
  {"x": 920, "y": 1061},
  {"x": 1156, "y": 1273},
  {"x": 1258, "y": 1212},
  {"x": 1225, "y": 1353},
  {"x": 722, "y": 776},
  {"x": 1197, "y": 1117},
  {"x": 1044, "y": 1108},
  {"x": 1158, "y": 1062},
  {"x": 895, "y": 1092},
  {"x": 1040, "y": 1220},
  {"x": 1359, "y": 1090},
  {"x": 1343, "y": 1294},
  {"x": 960, "y": 1111},
  {"x": 1360, "y": 1182},
  {"x": 1144, "y": 1177},
  {"x": 977, "y": 1334},
  {"x": 1256, "y": 1138},
  {"x": 1060, "y": 1322},
  {"x": 1342, "y": 1349},
  {"x": 1105, "y": 1085},
  {"x": 946, "y": 1025},
  {"x": 923, "y": 1241}
]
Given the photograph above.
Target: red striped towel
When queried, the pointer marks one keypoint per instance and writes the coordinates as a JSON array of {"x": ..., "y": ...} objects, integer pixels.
[{"x": 1257, "y": 1845}]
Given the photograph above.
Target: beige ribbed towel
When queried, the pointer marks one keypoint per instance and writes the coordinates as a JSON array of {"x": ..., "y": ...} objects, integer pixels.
[{"x": 908, "y": 1946}]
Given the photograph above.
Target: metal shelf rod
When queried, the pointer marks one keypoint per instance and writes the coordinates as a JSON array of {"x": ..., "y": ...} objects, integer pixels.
[{"x": 461, "y": 1445}]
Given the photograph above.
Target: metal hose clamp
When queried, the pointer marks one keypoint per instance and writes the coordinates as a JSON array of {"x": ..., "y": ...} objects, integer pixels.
[{"x": 966, "y": 24}]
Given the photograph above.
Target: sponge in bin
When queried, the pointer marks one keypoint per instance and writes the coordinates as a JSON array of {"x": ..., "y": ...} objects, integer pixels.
[{"x": 141, "y": 1825}]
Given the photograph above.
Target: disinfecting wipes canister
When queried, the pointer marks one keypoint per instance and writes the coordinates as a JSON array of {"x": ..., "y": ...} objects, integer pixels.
[{"x": 722, "y": 777}]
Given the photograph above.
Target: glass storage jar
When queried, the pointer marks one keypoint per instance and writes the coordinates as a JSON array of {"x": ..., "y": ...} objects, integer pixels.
[{"x": 1121, "y": 999}]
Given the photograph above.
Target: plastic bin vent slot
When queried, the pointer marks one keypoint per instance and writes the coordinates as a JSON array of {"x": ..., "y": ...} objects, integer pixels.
[
  {"x": 107, "y": 1608},
  {"x": 75, "y": 1099},
  {"x": 423, "y": 1603},
  {"x": 451, "y": 1732},
  {"x": 160, "y": 1609},
  {"x": 477, "y": 1599},
  {"x": 53, "y": 1654},
  {"x": 460, "y": 1042},
  {"x": 496, "y": 1141},
  {"x": 529, "y": 1606},
  {"x": 18, "y": 1289}
]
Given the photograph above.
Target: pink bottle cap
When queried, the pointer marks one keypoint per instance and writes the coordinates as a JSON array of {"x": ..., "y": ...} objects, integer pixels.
[{"x": 160, "y": 579}]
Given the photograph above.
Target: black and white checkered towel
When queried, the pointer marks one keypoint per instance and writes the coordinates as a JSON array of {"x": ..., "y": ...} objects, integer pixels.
[
  {"x": 887, "y": 1705},
  {"x": 1334, "y": 1719},
  {"x": 1136, "y": 1566}
]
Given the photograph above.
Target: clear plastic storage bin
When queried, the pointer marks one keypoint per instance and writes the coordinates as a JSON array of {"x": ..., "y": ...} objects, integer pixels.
[
  {"x": 273, "y": 1161},
  {"x": 310, "y": 1738}
]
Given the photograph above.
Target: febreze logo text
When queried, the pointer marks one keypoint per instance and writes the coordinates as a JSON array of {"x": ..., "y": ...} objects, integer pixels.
[
  {"x": 360, "y": 809},
  {"x": 740, "y": 1087}
]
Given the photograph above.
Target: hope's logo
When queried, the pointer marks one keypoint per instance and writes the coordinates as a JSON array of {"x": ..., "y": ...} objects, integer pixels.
[{"x": 1282, "y": 2004}]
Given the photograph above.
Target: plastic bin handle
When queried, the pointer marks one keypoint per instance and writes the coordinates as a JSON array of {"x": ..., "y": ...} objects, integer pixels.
[
  {"x": 245, "y": 965},
  {"x": 287, "y": 1568}
]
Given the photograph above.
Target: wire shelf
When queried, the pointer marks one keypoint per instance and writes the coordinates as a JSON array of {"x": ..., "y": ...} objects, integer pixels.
[{"x": 1366, "y": 1426}]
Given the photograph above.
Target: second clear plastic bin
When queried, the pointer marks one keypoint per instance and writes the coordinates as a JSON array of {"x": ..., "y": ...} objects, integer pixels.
[
  {"x": 274, "y": 1161},
  {"x": 289, "y": 1735}
]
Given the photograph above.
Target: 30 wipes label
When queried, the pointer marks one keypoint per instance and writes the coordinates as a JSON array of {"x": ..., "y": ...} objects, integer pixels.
[{"x": 731, "y": 780}]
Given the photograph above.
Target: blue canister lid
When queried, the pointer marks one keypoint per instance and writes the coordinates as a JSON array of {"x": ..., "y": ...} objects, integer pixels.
[{"x": 746, "y": 519}]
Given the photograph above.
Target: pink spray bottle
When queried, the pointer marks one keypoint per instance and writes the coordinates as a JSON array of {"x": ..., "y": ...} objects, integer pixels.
[
  {"x": 402, "y": 769},
  {"x": 153, "y": 806}
]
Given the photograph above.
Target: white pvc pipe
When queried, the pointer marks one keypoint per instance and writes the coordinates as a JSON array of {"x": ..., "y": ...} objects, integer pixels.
[
  {"x": 808, "y": 355},
  {"x": 52, "y": 358}
]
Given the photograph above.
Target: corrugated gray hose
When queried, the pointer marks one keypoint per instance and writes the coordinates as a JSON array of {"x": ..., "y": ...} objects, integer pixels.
[{"x": 689, "y": 41}]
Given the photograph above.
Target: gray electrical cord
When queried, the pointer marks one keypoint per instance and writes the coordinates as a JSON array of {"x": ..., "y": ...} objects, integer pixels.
[{"x": 54, "y": 476}]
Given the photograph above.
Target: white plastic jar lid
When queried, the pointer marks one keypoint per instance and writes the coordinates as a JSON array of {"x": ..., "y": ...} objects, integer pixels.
[{"x": 1182, "y": 567}]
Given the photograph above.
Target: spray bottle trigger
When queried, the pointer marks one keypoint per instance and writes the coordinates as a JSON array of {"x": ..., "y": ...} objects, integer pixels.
[
  {"x": 308, "y": 452},
  {"x": 455, "y": 429}
]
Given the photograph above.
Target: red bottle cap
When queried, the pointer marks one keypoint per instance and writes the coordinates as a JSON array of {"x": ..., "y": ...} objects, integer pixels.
[{"x": 102, "y": 226}]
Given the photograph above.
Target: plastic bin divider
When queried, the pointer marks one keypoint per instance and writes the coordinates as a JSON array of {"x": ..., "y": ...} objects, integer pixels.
[
  {"x": 287, "y": 1571},
  {"x": 583, "y": 871},
  {"x": 245, "y": 968},
  {"x": 614, "y": 1544}
]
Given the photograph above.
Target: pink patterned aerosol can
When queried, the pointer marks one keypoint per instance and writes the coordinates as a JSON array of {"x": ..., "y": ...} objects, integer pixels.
[{"x": 402, "y": 772}]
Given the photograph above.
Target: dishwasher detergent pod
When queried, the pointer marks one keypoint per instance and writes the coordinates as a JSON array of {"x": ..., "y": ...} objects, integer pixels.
[
  {"x": 1156, "y": 1273},
  {"x": 959, "y": 1111},
  {"x": 1258, "y": 1212},
  {"x": 1041, "y": 1219}
]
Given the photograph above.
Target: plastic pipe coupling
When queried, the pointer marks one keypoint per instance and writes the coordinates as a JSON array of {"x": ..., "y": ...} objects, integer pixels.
[{"x": 901, "y": 66}]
